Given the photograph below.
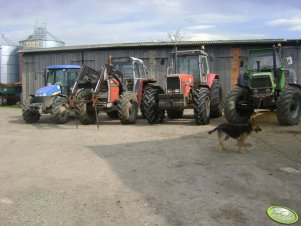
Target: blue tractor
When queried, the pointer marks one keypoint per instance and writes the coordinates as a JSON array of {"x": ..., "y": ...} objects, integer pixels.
[{"x": 53, "y": 97}]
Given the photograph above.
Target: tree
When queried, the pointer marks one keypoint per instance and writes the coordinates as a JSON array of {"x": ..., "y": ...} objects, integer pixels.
[{"x": 176, "y": 36}]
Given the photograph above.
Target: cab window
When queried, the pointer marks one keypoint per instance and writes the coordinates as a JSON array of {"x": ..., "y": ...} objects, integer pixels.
[{"x": 204, "y": 63}]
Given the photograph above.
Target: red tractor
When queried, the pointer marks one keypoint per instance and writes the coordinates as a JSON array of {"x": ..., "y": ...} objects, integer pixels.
[
  {"x": 190, "y": 85},
  {"x": 116, "y": 90}
]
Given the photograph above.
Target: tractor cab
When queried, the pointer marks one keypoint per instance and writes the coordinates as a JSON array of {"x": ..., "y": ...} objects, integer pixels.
[
  {"x": 265, "y": 71},
  {"x": 193, "y": 62},
  {"x": 62, "y": 75},
  {"x": 133, "y": 70},
  {"x": 190, "y": 65}
]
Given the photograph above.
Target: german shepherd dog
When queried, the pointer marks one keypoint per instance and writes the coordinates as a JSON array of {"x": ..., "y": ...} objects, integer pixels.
[{"x": 239, "y": 132}]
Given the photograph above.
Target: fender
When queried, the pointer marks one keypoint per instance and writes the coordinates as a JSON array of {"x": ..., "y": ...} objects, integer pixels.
[
  {"x": 245, "y": 87},
  {"x": 211, "y": 78},
  {"x": 113, "y": 90},
  {"x": 63, "y": 95},
  {"x": 142, "y": 83},
  {"x": 295, "y": 85}
]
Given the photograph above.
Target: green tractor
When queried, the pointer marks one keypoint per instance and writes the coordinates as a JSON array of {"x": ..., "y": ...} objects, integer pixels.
[{"x": 266, "y": 84}]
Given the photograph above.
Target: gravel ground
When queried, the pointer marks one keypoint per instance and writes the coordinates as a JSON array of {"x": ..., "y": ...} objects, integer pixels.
[{"x": 169, "y": 174}]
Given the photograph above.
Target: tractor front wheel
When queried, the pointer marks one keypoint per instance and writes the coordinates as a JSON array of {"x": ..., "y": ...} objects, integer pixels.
[
  {"x": 128, "y": 108},
  {"x": 83, "y": 107},
  {"x": 30, "y": 115},
  {"x": 60, "y": 110},
  {"x": 237, "y": 109},
  {"x": 150, "y": 105},
  {"x": 289, "y": 106},
  {"x": 201, "y": 106}
]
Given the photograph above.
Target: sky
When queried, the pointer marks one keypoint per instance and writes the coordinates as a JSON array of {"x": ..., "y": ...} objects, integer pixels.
[{"x": 85, "y": 22}]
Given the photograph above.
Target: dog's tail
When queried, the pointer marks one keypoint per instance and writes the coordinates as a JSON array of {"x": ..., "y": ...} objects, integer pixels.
[{"x": 211, "y": 131}]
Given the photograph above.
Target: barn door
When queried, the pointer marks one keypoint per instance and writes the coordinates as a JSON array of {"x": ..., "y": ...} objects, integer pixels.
[{"x": 235, "y": 65}]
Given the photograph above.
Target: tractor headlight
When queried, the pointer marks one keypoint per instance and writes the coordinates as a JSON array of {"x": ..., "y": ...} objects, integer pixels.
[
  {"x": 177, "y": 90},
  {"x": 55, "y": 93},
  {"x": 41, "y": 95}
]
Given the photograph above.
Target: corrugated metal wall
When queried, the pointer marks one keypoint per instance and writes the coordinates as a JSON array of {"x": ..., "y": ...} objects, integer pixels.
[{"x": 224, "y": 60}]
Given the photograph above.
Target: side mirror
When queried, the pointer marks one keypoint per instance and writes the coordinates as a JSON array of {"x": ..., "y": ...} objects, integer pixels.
[{"x": 289, "y": 60}]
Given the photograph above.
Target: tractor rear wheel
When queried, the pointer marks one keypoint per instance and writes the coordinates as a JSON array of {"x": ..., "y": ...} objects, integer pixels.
[
  {"x": 113, "y": 114},
  {"x": 128, "y": 108},
  {"x": 201, "y": 106},
  {"x": 289, "y": 106},
  {"x": 150, "y": 104},
  {"x": 233, "y": 111},
  {"x": 83, "y": 109},
  {"x": 216, "y": 99},
  {"x": 30, "y": 115},
  {"x": 60, "y": 110},
  {"x": 175, "y": 113}
]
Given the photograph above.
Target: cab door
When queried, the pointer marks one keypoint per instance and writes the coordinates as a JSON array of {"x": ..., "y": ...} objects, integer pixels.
[{"x": 204, "y": 69}]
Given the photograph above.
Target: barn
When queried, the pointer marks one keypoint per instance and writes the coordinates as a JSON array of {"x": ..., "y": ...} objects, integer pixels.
[{"x": 225, "y": 57}]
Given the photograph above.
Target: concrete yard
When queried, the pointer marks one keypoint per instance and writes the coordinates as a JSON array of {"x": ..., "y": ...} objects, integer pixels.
[{"x": 169, "y": 174}]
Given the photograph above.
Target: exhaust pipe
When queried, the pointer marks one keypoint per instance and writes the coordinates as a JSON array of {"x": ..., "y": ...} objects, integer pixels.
[
  {"x": 274, "y": 64},
  {"x": 176, "y": 59}
]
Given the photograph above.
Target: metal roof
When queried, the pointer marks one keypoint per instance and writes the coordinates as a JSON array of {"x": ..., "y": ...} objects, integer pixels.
[{"x": 162, "y": 44}]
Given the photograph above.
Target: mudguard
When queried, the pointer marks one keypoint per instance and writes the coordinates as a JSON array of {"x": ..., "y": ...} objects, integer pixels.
[{"x": 211, "y": 78}]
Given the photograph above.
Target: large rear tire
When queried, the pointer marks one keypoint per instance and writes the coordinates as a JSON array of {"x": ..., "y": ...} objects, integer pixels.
[
  {"x": 128, "y": 108},
  {"x": 60, "y": 110},
  {"x": 30, "y": 115},
  {"x": 150, "y": 103},
  {"x": 201, "y": 106},
  {"x": 289, "y": 106},
  {"x": 216, "y": 99},
  {"x": 233, "y": 113},
  {"x": 83, "y": 109}
]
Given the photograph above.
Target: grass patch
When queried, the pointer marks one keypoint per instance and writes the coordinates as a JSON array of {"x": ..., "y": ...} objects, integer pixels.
[{"x": 17, "y": 106}]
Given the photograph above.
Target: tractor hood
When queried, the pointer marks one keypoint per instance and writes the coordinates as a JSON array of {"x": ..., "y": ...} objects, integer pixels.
[
  {"x": 48, "y": 90},
  {"x": 180, "y": 75}
]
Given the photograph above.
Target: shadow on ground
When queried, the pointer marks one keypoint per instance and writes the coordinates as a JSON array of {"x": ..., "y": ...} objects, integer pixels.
[{"x": 189, "y": 183}]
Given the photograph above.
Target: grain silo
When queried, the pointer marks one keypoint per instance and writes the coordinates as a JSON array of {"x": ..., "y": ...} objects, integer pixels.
[
  {"x": 9, "y": 61},
  {"x": 41, "y": 38}
]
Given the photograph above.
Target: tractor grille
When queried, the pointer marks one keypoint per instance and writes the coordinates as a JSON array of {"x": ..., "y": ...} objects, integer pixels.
[
  {"x": 261, "y": 82},
  {"x": 173, "y": 83},
  {"x": 46, "y": 101}
]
